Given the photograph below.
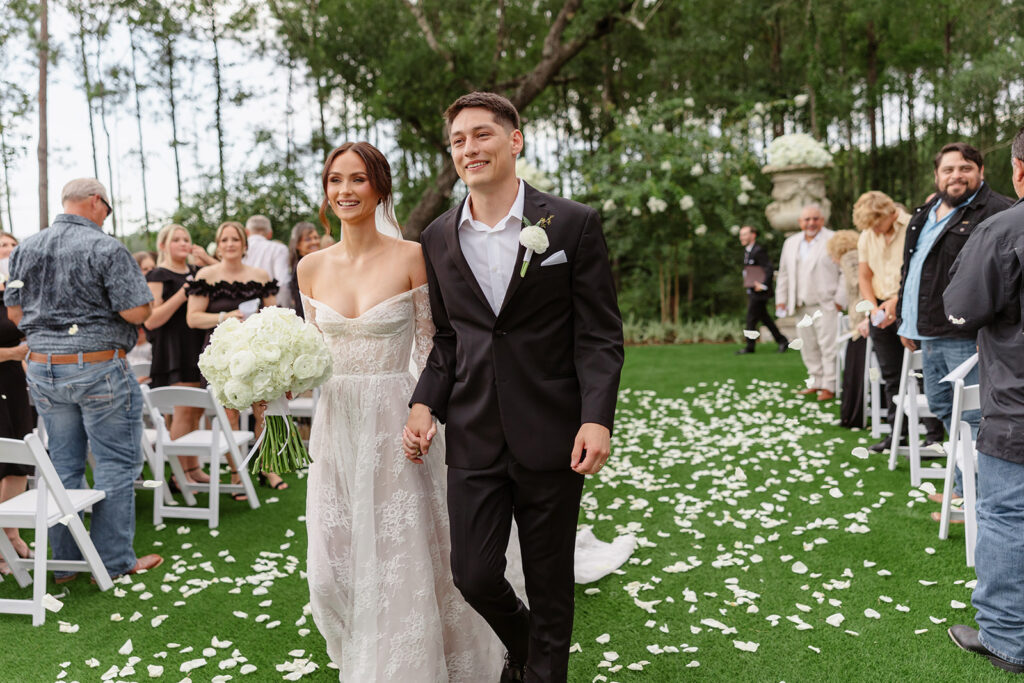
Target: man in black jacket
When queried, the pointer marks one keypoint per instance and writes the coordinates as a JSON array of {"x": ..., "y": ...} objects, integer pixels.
[
  {"x": 936, "y": 233},
  {"x": 986, "y": 296},
  {"x": 757, "y": 263}
]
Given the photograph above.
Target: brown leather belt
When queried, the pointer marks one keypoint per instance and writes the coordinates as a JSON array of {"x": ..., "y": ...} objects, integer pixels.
[{"x": 69, "y": 358}]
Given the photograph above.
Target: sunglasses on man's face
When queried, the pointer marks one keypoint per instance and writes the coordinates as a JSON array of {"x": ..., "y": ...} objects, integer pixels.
[{"x": 110, "y": 209}]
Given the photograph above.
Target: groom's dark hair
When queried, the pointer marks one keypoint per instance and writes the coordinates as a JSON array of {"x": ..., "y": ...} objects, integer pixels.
[{"x": 503, "y": 110}]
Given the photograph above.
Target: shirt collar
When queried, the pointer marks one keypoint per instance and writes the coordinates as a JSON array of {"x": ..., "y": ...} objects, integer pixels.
[
  {"x": 77, "y": 220},
  {"x": 517, "y": 211},
  {"x": 255, "y": 237}
]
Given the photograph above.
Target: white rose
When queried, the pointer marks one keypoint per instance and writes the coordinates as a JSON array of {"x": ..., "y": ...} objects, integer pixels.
[
  {"x": 697, "y": 170},
  {"x": 746, "y": 184},
  {"x": 237, "y": 394},
  {"x": 688, "y": 102},
  {"x": 608, "y": 206},
  {"x": 743, "y": 198},
  {"x": 700, "y": 230},
  {"x": 533, "y": 237},
  {"x": 800, "y": 100},
  {"x": 666, "y": 165},
  {"x": 656, "y": 205},
  {"x": 636, "y": 211},
  {"x": 658, "y": 128},
  {"x": 734, "y": 230},
  {"x": 242, "y": 363},
  {"x": 305, "y": 366},
  {"x": 686, "y": 203}
]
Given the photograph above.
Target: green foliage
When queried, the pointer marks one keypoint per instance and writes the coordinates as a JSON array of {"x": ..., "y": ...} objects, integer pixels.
[{"x": 711, "y": 329}]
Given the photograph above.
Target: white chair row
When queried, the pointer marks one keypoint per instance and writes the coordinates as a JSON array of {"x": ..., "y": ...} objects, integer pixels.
[
  {"x": 961, "y": 453},
  {"x": 912, "y": 404},
  {"x": 40, "y": 508}
]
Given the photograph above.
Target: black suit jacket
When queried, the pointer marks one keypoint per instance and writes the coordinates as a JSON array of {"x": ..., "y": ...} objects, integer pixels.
[
  {"x": 759, "y": 257},
  {"x": 546, "y": 363}
]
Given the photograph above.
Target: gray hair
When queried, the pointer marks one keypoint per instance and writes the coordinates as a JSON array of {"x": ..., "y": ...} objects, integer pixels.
[
  {"x": 259, "y": 224},
  {"x": 1017, "y": 151},
  {"x": 813, "y": 205},
  {"x": 83, "y": 188}
]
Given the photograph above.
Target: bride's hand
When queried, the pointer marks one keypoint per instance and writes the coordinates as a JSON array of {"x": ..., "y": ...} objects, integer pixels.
[{"x": 410, "y": 444}]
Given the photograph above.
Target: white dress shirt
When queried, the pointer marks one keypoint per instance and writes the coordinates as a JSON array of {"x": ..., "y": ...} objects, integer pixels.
[
  {"x": 491, "y": 252},
  {"x": 272, "y": 257}
]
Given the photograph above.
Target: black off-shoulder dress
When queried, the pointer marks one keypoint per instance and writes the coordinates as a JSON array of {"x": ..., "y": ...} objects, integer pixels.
[
  {"x": 176, "y": 346},
  {"x": 228, "y": 296}
]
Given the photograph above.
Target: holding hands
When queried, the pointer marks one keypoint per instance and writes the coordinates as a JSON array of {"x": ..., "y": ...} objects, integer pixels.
[{"x": 418, "y": 432}]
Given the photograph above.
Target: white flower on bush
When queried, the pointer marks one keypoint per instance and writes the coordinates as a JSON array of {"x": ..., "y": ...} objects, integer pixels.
[
  {"x": 746, "y": 184},
  {"x": 798, "y": 149},
  {"x": 636, "y": 211},
  {"x": 697, "y": 170},
  {"x": 686, "y": 203},
  {"x": 608, "y": 206},
  {"x": 800, "y": 100},
  {"x": 688, "y": 102},
  {"x": 656, "y": 205},
  {"x": 658, "y": 128},
  {"x": 259, "y": 360},
  {"x": 734, "y": 230},
  {"x": 700, "y": 230},
  {"x": 743, "y": 198},
  {"x": 666, "y": 165},
  {"x": 533, "y": 175},
  {"x": 759, "y": 108}
]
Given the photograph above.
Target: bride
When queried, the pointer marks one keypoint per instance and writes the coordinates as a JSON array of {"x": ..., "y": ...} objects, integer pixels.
[{"x": 378, "y": 562}]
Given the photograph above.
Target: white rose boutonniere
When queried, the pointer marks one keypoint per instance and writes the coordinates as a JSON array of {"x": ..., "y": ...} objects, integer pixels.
[{"x": 535, "y": 239}]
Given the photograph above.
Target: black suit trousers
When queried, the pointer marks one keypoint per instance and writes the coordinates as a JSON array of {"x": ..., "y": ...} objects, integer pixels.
[
  {"x": 757, "y": 313},
  {"x": 545, "y": 505}
]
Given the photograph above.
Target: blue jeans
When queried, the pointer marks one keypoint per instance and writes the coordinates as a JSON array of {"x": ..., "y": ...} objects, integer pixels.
[
  {"x": 942, "y": 356},
  {"x": 999, "y": 556},
  {"x": 95, "y": 405}
]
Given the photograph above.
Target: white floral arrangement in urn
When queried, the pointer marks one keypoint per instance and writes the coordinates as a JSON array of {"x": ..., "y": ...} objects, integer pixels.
[
  {"x": 273, "y": 352},
  {"x": 797, "y": 149}
]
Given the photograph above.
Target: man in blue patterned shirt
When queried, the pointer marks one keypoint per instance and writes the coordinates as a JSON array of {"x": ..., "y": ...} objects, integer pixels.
[{"x": 79, "y": 296}]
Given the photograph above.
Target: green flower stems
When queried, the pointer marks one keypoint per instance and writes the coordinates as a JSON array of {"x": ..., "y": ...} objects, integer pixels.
[{"x": 282, "y": 450}]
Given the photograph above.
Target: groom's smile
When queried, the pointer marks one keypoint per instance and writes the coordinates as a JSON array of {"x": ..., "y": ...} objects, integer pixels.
[{"x": 484, "y": 151}]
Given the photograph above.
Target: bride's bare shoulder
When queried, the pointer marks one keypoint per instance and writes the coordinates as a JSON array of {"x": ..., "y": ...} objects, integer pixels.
[{"x": 412, "y": 257}]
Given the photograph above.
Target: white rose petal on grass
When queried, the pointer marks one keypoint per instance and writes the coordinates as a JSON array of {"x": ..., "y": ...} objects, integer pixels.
[
  {"x": 799, "y": 567},
  {"x": 51, "y": 603},
  {"x": 751, "y": 334},
  {"x": 872, "y": 614},
  {"x": 863, "y": 454},
  {"x": 247, "y": 669},
  {"x": 925, "y": 582},
  {"x": 956, "y": 604},
  {"x": 835, "y": 620},
  {"x": 796, "y": 344},
  {"x": 603, "y": 638},
  {"x": 66, "y": 627},
  {"x": 936, "y": 620},
  {"x": 746, "y": 646},
  {"x": 126, "y": 649},
  {"x": 154, "y": 670}
]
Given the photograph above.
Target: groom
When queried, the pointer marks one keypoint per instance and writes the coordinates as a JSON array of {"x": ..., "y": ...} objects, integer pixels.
[{"x": 524, "y": 373}]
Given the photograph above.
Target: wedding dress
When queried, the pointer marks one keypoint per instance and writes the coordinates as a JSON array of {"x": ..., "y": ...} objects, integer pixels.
[{"x": 380, "y": 584}]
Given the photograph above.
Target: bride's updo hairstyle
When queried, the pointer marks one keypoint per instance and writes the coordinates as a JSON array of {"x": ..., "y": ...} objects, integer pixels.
[{"x": 378, "y": 171}]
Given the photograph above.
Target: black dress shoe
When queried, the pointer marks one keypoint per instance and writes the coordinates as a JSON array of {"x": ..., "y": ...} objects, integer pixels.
[
  {"x": 513, "y": 671},
  {"x": 783, "y": 346},
  {"x": 744, "y": 351},
  {"x": 966, "y": 638},
  {"x": 882, "y": 446}
]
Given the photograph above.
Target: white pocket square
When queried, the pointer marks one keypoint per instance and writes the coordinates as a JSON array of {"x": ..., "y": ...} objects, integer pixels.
[{"x": 555, "y": 259}]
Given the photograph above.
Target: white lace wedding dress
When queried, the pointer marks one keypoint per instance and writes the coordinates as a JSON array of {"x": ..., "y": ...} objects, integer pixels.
[{"x": 378, "y": 561}]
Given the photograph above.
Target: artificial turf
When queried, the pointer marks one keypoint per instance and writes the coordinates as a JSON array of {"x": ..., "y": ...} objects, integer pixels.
[{"x": 718, "y": 467}]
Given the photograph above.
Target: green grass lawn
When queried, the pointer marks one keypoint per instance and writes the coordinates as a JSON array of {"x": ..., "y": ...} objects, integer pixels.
[{"x": 757, "y": 525}]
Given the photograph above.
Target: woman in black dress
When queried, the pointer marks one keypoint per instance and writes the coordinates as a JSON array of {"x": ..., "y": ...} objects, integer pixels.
[
  {"x": 176, "y": 346},
  {"x": 305, "y": 240},
  {"x": 16, "y": 418},
  {"x": 220, "y": 291}
]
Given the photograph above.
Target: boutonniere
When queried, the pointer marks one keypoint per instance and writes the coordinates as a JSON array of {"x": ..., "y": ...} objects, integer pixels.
[{"x": 535, "y": 239}]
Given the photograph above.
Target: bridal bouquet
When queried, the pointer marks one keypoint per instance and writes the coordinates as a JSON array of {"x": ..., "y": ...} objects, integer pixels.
[{"x": 273, "y": 352}]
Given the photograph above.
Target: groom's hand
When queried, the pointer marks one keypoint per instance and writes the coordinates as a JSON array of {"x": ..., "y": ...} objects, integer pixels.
[
  {"x": 418, "y": 432},
  {"x": 595, "y": 441}
]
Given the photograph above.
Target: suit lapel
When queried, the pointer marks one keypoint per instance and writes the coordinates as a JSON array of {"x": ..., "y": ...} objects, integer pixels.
[
  {"x": 451, "y": 238},
  {"x": 533, "y": 210}
]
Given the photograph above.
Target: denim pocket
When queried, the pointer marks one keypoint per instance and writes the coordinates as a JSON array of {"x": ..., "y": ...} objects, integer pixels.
[{"x": 98, "y": 395}]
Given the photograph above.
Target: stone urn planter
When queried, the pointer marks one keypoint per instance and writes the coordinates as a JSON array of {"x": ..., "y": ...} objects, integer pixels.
[{"x": 794, "y": 187}]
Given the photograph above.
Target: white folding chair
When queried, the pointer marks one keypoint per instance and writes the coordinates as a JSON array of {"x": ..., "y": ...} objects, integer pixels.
[
  {"x": 304, "y": 406},
  {"x": 210, "y": 445},
  {"x": 913, "y": 404},
  {"x": 141, "y": 369},
  {"x": 40, "y": 508},
  {"x": 961, "y": 452},
  {"x": 843, "y": 336}
]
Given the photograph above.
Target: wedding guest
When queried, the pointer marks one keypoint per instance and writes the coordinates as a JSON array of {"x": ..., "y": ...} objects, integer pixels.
[
  {"x": 936, "y": 233},
  {"x": 305, "y": 240},
  {"x": 16, "y": 418},
  {"x": 986, "y": 295},
  {"x": 326, "y": 240},
  {"x": 755, "y": 257},
  {"x": 81, "y": 301},
  {"x": 223, "y": 291},
  {"x": 146, "y": 261},
  {"x": 842, "y": 248},
  {"x": 7, "y": 244},
  {"x": 883, "y": 227},
  {"x": 176, "y": 346},
  {"x": 269, "y": 255},
  {"x": 806, "y": 287}
]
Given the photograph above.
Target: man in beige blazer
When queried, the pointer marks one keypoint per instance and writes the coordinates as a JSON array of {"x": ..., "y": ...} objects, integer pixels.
[{"x": 807, "y": 288}]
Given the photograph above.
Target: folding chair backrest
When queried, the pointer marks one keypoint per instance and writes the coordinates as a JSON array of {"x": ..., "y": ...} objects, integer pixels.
[
  {"x": 30, "y": 451},
  {"x": 166, "y": 398},
  {"x": 141, "y": 369},
  {"x": 972, "y": 397},
  {"x": 916, "y": 359}
]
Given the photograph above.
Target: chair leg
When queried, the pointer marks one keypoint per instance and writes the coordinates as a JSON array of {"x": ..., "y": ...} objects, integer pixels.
[
  {"x": 947, "y": 491},
  {"x": 39, "y": 571},
  {"x": 183, "y": 485},
  {"x": 969, "y": 468},
  {"x": 89, "y": 553},
  {"x": 914, "y": 441},
  {"x": 10, "y": 555},
  {"x": 897, "y": 432},
  {"x": 214, "y": 519}
]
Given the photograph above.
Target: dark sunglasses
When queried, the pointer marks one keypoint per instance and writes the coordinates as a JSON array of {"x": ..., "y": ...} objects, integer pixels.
[{"x": 110, "y": 209}]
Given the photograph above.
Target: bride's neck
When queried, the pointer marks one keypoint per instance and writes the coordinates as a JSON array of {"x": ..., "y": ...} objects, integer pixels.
[{"x": 360, "y": 238}]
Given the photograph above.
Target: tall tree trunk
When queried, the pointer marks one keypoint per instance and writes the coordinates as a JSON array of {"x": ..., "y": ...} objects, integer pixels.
[
  {"x": 41, "y": 147},
  {"x": 106, "y": 134},
  {"x": 214, "y": 38},
  {"x": 169, "y": 59},
  {"x": 7, "y": 176},
  {"x": 138, "y": 122},
  {"x": 872, "y": 97},
  {"x": 88, "y": 92}
]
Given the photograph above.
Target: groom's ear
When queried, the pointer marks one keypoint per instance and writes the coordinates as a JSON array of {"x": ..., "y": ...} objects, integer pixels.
[{"x": 517, "y": 141}]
